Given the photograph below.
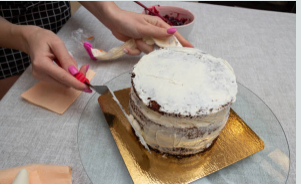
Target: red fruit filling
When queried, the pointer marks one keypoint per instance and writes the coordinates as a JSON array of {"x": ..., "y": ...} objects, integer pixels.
[{"x": 173, "y": 21}]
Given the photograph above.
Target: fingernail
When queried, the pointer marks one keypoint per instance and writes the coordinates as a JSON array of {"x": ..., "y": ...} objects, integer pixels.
[
  {"x": 87, "y": 90},
  {"x": 171, "y": 30},
  {"x": 72, "y": 70},
  {"x": 125, "y": 51},
  {"x": 87, "y": 67},
  {"x": 88, "y": 48}
]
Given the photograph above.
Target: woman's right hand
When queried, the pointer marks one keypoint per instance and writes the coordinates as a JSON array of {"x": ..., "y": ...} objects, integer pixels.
[
  {"x": 44, "y": 46},
  {"x": 126, "y": 25}
]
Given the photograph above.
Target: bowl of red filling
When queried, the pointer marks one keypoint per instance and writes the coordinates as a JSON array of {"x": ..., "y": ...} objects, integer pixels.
[{"x": 177, "y": 17}]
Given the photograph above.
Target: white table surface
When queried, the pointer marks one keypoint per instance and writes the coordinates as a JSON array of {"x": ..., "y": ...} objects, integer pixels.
[{"x": 259, "y": 45}]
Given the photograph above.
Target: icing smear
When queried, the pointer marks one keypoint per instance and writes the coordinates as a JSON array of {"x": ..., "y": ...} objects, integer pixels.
[
  {"x": 166, "y": 138},
  {"x": 183, "y": 122},
  {"x": 185, "y": 81}
]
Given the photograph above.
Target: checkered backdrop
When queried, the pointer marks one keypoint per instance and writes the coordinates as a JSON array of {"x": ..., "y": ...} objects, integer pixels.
[{"x": 48, "y": 15}]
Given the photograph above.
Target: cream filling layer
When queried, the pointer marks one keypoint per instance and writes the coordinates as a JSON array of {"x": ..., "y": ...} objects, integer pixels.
[
  {"x": 155, "y": 135},
  {"x": 179, "y": 122}
]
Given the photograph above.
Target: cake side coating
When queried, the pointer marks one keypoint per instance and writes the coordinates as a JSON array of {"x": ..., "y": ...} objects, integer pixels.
[{"x": 176, "y": 138}]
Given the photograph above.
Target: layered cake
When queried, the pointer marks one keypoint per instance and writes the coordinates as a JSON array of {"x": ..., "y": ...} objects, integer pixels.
[{"x": 180, "y": 99}]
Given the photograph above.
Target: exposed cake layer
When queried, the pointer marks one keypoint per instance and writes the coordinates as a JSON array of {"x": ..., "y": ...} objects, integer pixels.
[
  {"x": 184, "y": 81},
  {"x": 184, "y": 137}
]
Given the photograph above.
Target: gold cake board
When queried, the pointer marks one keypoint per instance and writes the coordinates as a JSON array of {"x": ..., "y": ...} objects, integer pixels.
[{"x": 236, "y": 142}]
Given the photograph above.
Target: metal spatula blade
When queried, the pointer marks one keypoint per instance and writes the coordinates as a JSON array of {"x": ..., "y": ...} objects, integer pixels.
[{"x": 105, "y": 90}]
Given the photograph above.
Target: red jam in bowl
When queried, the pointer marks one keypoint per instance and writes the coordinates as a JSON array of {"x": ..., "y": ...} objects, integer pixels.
[
  {"x": 174, "y": 21},
  {"x": 170, "y": 19}
]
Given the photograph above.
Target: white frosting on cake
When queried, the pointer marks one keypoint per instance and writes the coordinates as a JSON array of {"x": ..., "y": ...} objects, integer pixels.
[
  {"x": 185, "y": 81},
  {"x": 165, "y": 138},
  {"x": 179, "y": 122}
]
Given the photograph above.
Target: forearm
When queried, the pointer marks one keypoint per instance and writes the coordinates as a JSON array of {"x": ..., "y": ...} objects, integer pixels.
[
  {"x": 14, "y": 36},
  {"x": 104, "y": 11}
]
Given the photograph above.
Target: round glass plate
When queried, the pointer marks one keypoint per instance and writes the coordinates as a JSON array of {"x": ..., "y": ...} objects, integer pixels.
[{"x": 104, "y": 164}]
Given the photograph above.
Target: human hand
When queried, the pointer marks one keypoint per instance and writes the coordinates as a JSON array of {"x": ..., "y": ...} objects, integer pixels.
[
  {"x": 44, "y": 46},
  {"x": 126, "y": 25},
  {"x": 134, "y": 25}
]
